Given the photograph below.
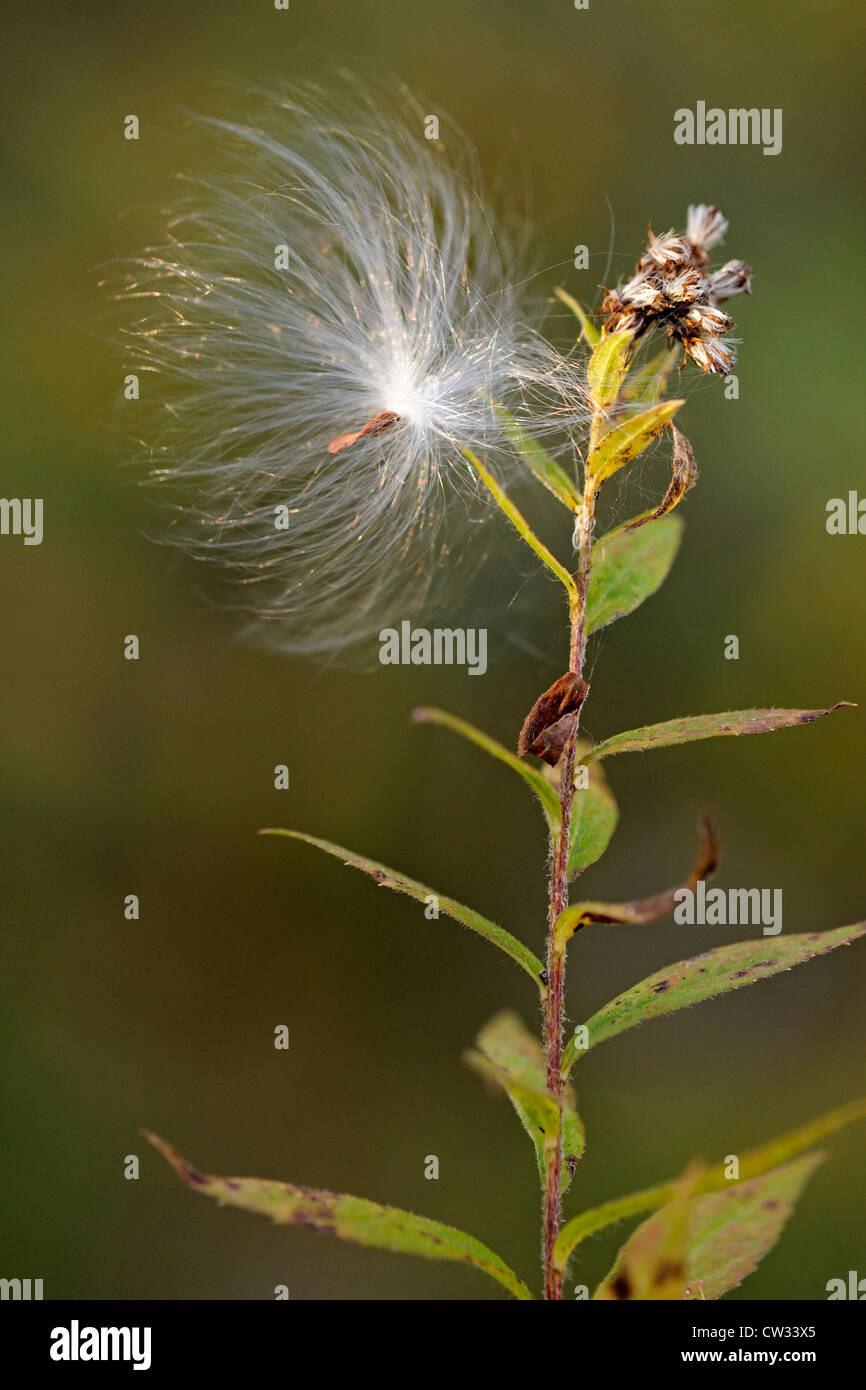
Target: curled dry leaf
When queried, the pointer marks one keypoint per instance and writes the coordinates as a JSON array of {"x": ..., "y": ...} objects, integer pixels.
[
  {"x": 684, "y": 475},
  {"x": 643, "y": 910},
  {"x": 551, "y": 719}
]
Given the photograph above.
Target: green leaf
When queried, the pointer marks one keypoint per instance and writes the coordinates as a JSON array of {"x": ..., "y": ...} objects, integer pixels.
[
  {"x": 545, "y": 468},
  {"x": 628, "y": 568},
  {"x": 587, "y": 327},
  {"x": 511, "y": 1057},
  {"x": 705, "y": 976},
  {"x": 594, "y": 818},
  {"x": 389, "y": 878},
  {"x": 731, "y": 1232},
  {"x": 531, "y": 776},
  {"x": 752, "y": 1164},
  {"x": 523, "y": 528},
  {"x": 694, "y": 727},
  {"x": 606, "y": 368},
  {"x": 622, "y": 444},
  {"x": 652, "y": 1263},
  {"x": 348, "y": 1218}
]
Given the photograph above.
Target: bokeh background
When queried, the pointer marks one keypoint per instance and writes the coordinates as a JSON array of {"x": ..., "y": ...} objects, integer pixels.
[{"x": 153, "y": 777}]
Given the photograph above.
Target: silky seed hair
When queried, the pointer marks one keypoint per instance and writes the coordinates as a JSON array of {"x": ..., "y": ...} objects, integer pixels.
[{"x": 331, "y": 386}]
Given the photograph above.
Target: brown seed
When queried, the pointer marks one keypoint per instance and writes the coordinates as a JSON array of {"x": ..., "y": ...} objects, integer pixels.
[{"x": 374, "y": 426}]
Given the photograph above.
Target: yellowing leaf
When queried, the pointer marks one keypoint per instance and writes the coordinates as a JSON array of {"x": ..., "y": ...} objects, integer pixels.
[
  {"x": 348, "y": 1218},
  {"x": 587, "y": 327},
  {"x": 522, "y": 526},
  {"x": 622, "y": 444},
  {"x": 607, "y": 367},
  {"x": 651, "y": 1266},
  {"x": 545, "y": 468},
  {"x": 715, "y": 1179},
  {"x": 510, "y": 1057},
  {"x": 731, "y": 1232},
  {"x": 700, "y": 1248}
]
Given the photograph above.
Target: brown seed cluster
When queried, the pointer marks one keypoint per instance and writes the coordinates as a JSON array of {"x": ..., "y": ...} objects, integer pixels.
[{"x": 674, "y": 289}]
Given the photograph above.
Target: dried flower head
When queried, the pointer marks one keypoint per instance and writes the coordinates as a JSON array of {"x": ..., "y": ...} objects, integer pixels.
[
  {"x": 674, "y": 289},
  {"x": 334, "y": 381}
]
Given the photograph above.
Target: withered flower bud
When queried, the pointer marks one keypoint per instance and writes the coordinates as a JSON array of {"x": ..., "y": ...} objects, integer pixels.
[
  {"x": 732, "y": 278},
  {"x": 705, "y": 228},
  {"x": 673, "y": 289}
]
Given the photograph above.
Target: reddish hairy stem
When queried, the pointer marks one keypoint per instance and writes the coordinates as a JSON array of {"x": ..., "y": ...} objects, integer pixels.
[
  {"x": 554, "y": 1005},
  {"x": 583, "y": 537}
]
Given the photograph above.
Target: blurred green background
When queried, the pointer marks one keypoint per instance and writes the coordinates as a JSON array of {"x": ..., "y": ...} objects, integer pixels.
[{"x": 153, "y": 777}]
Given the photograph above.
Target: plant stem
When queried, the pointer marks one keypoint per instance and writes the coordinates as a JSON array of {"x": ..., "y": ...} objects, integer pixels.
[
  {"x": 554, "y": 1007},
  {"x": 583, "y": 539},
  {"x": 553, "y": 1023}
]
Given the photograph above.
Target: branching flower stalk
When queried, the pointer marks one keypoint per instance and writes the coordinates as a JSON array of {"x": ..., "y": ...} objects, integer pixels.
[
  {"x": 384, "y": 364},
  {"x": 681, "y": 262}
]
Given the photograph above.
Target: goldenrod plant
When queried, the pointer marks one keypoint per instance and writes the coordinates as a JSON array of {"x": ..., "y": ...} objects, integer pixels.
[{"x": 351, "y": 356}]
